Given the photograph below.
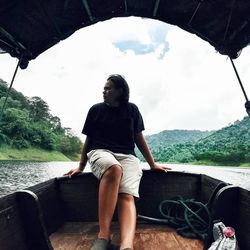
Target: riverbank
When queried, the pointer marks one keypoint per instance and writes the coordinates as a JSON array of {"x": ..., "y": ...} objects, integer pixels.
[
  {"x": 41, "y": 155},
  {"x": 212, "y": 163},
  {"x": 34, "y": 154}
]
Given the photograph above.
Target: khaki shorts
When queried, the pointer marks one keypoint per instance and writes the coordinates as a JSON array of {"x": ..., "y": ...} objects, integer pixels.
[{"x": 101, "y": 160}]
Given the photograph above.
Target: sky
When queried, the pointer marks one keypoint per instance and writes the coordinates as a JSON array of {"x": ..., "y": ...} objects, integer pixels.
[{"x": 177, "y": 80}]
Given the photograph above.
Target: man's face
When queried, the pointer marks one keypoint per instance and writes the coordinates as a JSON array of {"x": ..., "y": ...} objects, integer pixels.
[{"x": 111, "y": 94}]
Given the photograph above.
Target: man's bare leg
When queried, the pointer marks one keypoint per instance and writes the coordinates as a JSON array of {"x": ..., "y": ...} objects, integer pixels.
[
  {"x": 108, "y": 194},
  {"x": 127, "y": 220}
]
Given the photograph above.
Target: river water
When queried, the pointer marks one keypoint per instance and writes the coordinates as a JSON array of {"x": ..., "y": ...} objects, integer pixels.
[{"x": 16, "y": 175}]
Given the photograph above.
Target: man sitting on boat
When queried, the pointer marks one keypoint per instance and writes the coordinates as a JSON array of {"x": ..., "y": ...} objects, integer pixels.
[{"x": 112, "y": 129}]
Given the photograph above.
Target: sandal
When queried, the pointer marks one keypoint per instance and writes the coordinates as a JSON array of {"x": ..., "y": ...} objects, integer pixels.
[{"x": 100, "y": 244}]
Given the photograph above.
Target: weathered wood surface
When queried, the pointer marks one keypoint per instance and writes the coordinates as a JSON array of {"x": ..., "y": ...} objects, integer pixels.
[
  {"x": 33, "y": 221},
  {"x": 242, "y": 219},
  {"x": 80, "y": 235},
  {"x": 51, "y": 204},
  {"x": 11, "y": 229}
]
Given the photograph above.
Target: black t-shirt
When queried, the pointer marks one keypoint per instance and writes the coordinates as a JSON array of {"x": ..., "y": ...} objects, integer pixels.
[{"x": 113, "y": 128}]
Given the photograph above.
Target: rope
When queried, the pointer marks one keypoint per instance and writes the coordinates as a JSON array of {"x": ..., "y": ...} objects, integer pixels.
[
  {"x": 8, "y": 92},
  {"x": 189, "y": 217}
]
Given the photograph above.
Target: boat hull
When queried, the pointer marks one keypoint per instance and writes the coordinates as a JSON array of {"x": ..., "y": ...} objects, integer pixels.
[{"x": 31, "y": 216}]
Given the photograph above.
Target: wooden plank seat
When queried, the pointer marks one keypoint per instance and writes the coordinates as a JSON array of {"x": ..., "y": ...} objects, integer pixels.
[{"x": 80, "y": 235}]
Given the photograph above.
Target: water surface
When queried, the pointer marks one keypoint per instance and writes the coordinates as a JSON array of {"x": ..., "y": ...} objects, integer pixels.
[{"x": 16, "y": 175}]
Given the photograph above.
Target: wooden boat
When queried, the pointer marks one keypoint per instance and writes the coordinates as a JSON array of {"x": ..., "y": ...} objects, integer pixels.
[{"x": 61, "y": 213}]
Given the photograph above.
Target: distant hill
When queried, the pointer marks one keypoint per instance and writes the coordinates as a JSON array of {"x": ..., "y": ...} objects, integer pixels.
[
  {"x": 171, "y": 137},
  {"x": 233, "y": 137},
  {"x": 227, "y": 146}
]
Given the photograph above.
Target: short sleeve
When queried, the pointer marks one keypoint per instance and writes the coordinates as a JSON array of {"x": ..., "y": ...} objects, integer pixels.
[
  {"x": 88, "y": 125},
  {"x": 138, "y": 120}
]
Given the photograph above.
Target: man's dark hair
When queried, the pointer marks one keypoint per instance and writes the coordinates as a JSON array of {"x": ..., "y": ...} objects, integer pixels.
[{"x": 120, "y": 83}]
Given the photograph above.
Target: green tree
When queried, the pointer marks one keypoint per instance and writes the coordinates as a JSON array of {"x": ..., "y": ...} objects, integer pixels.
[
  {"x": 39, "y": 109},
  {"x": 16, "y": 126},
  {"x": 42, "y": 136}
]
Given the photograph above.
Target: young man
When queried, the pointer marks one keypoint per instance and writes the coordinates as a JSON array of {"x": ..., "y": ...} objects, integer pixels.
[{"x": 112, "y": 129}]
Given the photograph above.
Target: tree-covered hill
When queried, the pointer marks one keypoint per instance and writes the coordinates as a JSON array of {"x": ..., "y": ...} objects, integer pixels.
[
  {"x": 171, "y": 137},
  {"x": 27, "y": 122},
  {"x": 227, "y": 146}
]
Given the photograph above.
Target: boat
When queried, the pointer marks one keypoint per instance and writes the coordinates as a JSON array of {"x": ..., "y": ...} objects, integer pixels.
[{"x": 61, "y": 213}]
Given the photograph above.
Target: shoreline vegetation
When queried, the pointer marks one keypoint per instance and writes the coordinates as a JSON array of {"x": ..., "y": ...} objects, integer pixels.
[
  {"x": 35, "y": 154},
  {"x": 211, "y": 163},
  {"x": 41, "y": 155}
]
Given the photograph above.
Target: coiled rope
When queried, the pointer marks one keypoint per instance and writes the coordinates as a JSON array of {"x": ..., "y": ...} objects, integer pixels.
[{"x": 189, "y": 217}]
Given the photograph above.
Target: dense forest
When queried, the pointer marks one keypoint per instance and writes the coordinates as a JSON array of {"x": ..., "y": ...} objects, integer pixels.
[
  {"x": 227, "y": 146},
  {"x": 27, "y": 122}
]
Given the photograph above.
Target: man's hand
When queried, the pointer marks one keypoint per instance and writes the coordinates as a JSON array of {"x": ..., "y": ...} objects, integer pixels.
[
  {"x": 160, "y": 167},
  {"x": 73, "y": 171}
]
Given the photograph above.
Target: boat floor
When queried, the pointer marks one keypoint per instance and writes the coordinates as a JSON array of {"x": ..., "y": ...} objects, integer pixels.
[{"x": 80, "y": 235}]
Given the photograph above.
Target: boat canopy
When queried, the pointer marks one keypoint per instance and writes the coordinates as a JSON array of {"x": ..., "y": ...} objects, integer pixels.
[{"x": 30, "y": 27}]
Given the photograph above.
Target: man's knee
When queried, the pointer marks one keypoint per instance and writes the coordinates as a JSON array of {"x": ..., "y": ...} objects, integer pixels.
[
  {"x": 123, "y": 197},
  {"x": 113, "y": 173}
]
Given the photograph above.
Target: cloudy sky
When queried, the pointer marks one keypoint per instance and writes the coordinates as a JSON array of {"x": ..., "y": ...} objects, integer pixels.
[{"x": 177, "y": 80}]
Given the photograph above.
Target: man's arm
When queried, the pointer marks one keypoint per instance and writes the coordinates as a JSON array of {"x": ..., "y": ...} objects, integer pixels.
[
  {"x": 83, "y": 160},
  {"x": 143, "y": 147}
]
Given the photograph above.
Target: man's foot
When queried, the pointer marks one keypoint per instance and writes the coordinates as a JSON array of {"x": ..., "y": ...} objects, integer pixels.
[{"x": 101, "y": 244}]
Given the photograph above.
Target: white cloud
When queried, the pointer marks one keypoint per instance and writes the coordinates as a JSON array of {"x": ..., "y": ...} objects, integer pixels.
[{"x": 190, "y": 87}]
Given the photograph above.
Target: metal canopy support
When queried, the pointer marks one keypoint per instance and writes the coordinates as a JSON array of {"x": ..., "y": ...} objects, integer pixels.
[
  {"x": 86, "y": 6},
  {"x": 247, "y": 104},
  {"x": 16, "y": 49},
  {"x": 195, "y": 11},
  {"x": 157, "y": 2},
  {"x": 7, "y": 44},
  {"x": 8, "y": 92},
  {"x": 194, "y": 30},
  {"x": 125, "y": 6},
  {"x": 11, "y": 39}
]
